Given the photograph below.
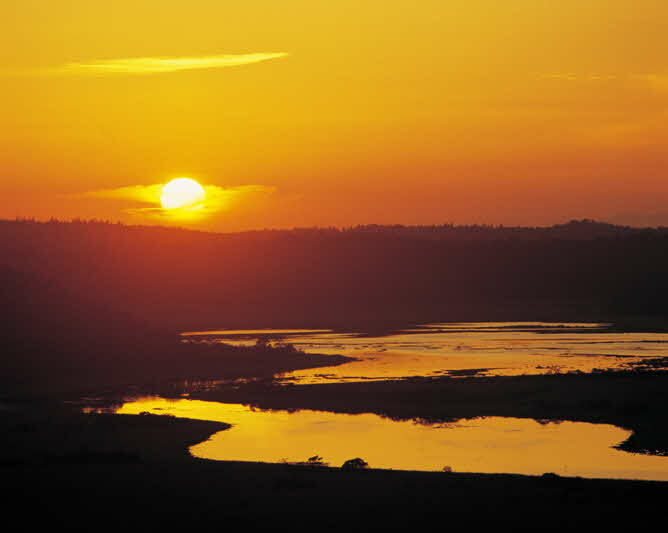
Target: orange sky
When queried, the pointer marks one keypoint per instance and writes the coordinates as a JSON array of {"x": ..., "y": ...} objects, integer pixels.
[{"x": 303, "y": 112}]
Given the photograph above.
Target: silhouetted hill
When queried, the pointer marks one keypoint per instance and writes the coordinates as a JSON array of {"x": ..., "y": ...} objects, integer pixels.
[
  {"x": 55, "y": 339},
  {"x": 182, "y": 279},
  {"x": 585, "y": 229}
]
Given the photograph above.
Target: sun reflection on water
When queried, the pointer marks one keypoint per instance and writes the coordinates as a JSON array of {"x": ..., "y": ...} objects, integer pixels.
[
  {"x": 492, "y": 445},
  {"x": 460, "y": 349}
]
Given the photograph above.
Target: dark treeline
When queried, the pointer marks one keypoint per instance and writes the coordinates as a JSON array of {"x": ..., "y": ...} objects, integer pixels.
[
  {"x": 93, "y": 302},
  {"x": 585, "y": 229},
  {"x": 69, "y": 318},
  {"x": 181, "y": 279}
]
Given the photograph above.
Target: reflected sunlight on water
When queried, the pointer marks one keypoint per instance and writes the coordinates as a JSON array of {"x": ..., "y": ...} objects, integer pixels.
[
  {"x": 490, "y": 445},
  {"x": 489, "y": 348}
]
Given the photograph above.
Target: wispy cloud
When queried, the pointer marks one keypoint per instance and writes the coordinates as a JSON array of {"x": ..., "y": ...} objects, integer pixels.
[
  {"x": 144, "y": 200},
  {"x": 571, "y": 76},
  {"x": 156, "y": 65},
  {"x": 143, "y": 194},
  {"x": 655, "y": 81}
]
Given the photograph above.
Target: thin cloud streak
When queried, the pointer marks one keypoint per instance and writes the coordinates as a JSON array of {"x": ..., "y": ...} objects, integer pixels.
[
  {"x": 147, "y": 199},
  {"x": 149, "y": 194},
  {"x": 157, "y": 65},
  {"x": 655, "y": 81},
  {"x": 569, "y": 76}
]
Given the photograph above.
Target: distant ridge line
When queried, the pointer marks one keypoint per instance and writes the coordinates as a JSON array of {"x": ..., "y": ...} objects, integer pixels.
[{"x": 582, "y": 229}]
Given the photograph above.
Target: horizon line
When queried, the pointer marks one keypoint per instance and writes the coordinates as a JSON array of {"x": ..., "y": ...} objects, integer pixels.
[{"x": 445, "y": 225}]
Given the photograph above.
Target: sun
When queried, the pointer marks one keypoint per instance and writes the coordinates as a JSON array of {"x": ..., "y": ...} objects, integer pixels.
[{"x": 181, "y": 192}]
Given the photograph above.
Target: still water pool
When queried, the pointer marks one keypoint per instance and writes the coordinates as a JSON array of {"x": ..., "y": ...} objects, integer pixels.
[{"x": 490, "y": 445}]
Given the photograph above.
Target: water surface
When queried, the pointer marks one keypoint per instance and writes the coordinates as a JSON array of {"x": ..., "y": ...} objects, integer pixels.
[
  {"x": 489, "y": 445},
  {"x": 456, "y": 349}
]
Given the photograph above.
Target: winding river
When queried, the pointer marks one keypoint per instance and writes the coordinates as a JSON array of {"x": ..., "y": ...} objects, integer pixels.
[{"x": 491, "y": 445}]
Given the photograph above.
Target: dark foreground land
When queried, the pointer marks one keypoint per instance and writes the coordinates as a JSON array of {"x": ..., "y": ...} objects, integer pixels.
[
  {"x": 133, "y": 473},
  {"x": 104, "y": 471},
  {"x": 91, "y": 307}
]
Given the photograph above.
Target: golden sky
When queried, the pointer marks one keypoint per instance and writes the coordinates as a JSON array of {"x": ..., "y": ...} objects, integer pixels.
[{"x": 308, "y": 112}]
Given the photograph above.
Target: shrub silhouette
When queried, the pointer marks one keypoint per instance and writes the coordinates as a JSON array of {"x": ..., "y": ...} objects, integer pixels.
[
  {"x": 316, "y": 460},
  {"x": 352, "y": 465}
]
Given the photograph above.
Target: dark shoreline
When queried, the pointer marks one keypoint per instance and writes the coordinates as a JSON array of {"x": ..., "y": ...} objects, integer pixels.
[{"x": 115, "y": 471}]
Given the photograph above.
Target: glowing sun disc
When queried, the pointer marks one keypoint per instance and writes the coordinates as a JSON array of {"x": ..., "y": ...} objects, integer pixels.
[{"x": 181, "y": 192}]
